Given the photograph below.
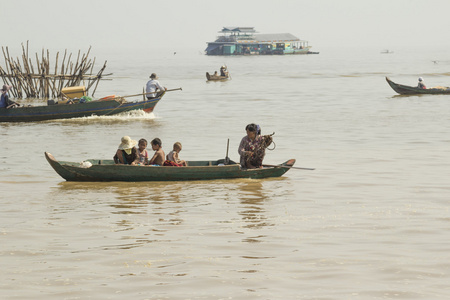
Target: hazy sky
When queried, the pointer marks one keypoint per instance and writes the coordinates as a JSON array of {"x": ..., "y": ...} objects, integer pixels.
[{"x": 174, "y": 24}]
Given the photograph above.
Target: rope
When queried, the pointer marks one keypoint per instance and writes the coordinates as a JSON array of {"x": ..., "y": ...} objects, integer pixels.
[{"x": 121, "y": 100}]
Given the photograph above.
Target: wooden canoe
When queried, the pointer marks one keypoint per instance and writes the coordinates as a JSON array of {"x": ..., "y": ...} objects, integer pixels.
[
  {"x": 106, "y": 170},
  {"x": 76, "y": 110},
  {"x": 411, "y": 90},
  {"x": 216, "y": 77}
]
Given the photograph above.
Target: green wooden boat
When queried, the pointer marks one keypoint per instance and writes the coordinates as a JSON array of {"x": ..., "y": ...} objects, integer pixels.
[
  {"x": 76, "y": 110},
  {"x": 106, "y": 170},
  {"x": 412, "y": 90}
]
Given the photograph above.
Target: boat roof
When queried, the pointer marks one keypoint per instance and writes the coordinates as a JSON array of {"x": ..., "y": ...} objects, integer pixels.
[
  {"x": 269, "y": 38},
  {"x": 275, "y": 37},
  {"x": 238, "y": 29},
  {"x": 248, "y": 35}
]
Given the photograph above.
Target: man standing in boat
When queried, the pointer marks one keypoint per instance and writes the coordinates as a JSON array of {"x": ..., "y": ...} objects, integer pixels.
[{"x": 153, "y": 86}]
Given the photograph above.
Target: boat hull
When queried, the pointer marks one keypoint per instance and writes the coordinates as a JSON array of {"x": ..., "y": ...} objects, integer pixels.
[
  {"x": 67, "y": 111},
  {"x": 410, "y": 90},
  {"x": 210, "y": 77},
  {"x": 106, "y": 170}
]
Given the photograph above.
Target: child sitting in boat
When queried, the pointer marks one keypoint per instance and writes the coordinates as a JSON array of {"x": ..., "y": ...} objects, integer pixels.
[
  {"x": 173, "y": 159},
  {"x": 159, "y": 156},
  {"x": 126, "y": 153},
  {"x": 142, "y": 153}
]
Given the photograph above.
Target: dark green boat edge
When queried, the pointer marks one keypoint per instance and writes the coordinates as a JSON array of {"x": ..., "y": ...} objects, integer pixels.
[{"x": 106, "y": 170}]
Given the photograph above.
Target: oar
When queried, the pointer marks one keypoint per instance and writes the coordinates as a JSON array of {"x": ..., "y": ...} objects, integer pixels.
[
  {"x": 148, "y": 93},
  {"x": 227, "y": 159},
  {"x": 289, "y": 167}
]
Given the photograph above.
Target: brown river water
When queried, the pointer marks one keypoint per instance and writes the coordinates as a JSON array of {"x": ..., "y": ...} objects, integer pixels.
[{"x": 371, "y": 221}]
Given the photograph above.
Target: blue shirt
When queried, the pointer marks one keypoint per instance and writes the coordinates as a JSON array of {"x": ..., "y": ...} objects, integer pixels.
[{"x": 3, "y": 100}]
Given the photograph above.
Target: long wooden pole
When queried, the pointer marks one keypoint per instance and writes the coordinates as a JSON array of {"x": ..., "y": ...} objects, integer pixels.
[
  {"x": 289, "y": 167},
  {"x": 177, "y": 89},
  {"x": 227, "y": 159}
]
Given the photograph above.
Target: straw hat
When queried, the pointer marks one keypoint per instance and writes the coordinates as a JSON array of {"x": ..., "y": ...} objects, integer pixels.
[
  {"x": 153, "y": 76},
  {"x": 127, "y": 143},
  {"x": 6, "y": 88}
]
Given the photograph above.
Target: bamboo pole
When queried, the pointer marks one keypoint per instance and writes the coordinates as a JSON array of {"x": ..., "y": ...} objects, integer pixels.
[{"x": 31, "y": 81}]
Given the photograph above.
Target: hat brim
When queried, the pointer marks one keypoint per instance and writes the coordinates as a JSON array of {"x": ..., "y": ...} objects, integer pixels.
[
  {"x": 130, "y": 145},
  {"x": 8, "y": 87}
]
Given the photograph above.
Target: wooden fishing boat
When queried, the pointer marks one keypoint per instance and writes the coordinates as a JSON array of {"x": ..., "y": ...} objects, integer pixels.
[
  {"x": 213, "y": 77},
  {"x": 411, "y": 90},
  {"x": 106, "y": 170},
  {"x": 100, "y": 107}
]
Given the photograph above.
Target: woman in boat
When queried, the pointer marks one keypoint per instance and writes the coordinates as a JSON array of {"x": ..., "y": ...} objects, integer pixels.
[
  {"x": 126, "y": 153},
  {"x": 250, "y": 149},
  {"x": 421, "y": 85}
]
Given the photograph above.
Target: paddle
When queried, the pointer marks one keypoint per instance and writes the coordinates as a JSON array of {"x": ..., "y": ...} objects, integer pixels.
[
  {"x": 289, "y": 167},
  {"x": 227, "y": 159}
]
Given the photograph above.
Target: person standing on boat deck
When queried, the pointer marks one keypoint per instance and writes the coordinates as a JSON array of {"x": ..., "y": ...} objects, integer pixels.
[
  {"x": 4, "y": 100},
  {"x": 126, "y": 153},
  {"x": 153, "y": 86},
  {"x": 421, "y": 85},
  {"x": 249, "y": 146}
]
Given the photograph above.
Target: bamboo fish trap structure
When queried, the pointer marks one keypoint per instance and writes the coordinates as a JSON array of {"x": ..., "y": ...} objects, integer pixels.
[{"x": 38, "y": 82}]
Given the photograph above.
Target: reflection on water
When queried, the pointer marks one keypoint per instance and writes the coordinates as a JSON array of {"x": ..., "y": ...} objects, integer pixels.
[
  {"x": 252, "y": 199},
  {"x": 129, "y": 197},
  {"x": 136, "y": 214}
]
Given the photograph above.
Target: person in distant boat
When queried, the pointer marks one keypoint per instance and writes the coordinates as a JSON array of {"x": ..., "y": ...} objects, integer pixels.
[
  {"x": 421, "y": 85},
  {"x": 5, "y": 102},
  {"x": 173, "y": 159},
  {"x": 126, "y": 153},
  {"x": 250, "y": 148},
  {"x": 153, "y": 87},
  {"x": 159, "y": 156},
  {"x": 223, "y": 71}
]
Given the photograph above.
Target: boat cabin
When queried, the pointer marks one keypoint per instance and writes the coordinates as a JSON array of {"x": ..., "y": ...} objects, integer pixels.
[{"x": 246, "y": 41}]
